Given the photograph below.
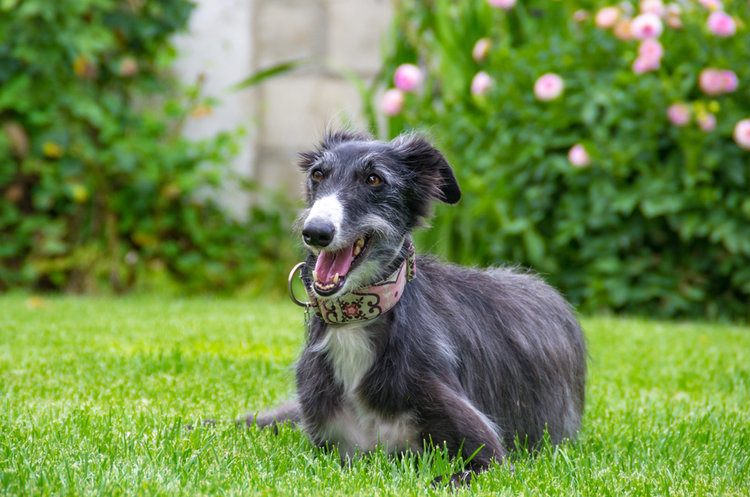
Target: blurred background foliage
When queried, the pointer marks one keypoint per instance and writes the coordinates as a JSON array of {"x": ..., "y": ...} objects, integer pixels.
[
  {"x": 99, "y": 189},
  {"x": 98, "y": 186},
  {"x": 656, "y": 219}
]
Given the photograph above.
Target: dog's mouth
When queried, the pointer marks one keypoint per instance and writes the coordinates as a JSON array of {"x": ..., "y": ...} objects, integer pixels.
[{"x": 332, "y": 268}]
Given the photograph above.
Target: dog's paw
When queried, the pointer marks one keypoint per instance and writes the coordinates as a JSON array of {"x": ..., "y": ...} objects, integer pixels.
[{"x": 454, "y": 480}]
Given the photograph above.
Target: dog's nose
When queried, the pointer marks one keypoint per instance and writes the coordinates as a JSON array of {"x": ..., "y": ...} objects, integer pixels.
[{"x": 318, "y": 233}]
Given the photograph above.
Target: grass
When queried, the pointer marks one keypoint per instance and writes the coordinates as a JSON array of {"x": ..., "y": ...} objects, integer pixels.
[{"x": 95, "y": 394}]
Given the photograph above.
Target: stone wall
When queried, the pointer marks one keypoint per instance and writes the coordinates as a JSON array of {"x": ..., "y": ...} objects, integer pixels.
[{"x": 228, "y": 39}]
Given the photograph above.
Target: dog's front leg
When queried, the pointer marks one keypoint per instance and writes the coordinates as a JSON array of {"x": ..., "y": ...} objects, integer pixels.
[
  {"x": 451, "y": 418},
  {"x": 287, "y": 412}
]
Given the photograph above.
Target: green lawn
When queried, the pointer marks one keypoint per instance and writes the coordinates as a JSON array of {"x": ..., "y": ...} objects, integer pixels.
[{"x": 95, "y": 394}]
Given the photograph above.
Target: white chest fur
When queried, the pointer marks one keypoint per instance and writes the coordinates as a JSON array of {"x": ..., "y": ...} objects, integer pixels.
[
  {"x": 351, "y": 353},
  {"x": 354, "y": 426}
]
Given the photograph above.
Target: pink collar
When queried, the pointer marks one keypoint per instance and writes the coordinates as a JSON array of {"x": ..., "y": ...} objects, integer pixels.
[{"x": 369, "y": 302}]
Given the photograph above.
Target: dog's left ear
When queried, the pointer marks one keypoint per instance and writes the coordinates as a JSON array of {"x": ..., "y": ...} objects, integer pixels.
[{"x": 431, "y": 168}]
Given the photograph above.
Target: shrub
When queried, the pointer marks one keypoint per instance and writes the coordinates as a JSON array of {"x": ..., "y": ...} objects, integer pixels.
[
  {"x": 97, "y": 183},
  {"x": 584, "y": 153}
]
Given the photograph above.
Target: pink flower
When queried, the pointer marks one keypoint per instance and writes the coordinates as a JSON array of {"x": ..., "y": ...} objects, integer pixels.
[
  {"x": 392, "y": 102},
  {"x": 721, "y": 24},
  {"x": 607, "y": 17},
  {"x": 626, "y": 8},
  {"x": 407, "y": 77},
  {"x": 503, "y": 4},
  {"x": 481, "y": 83},
  {"x": 548, "y": 87},
  {"x": 650, "y": 52},
  {"x": 481, "y": 49},
  {"x": 674, "y": 22},
  {"x": 622, "y": 30},
  {"x": 650, "y": 49},
  {"x": 742, "y": 134},
  {"x": 678, "y": 114},
  {"x": 729, "y": 81},
  {"x": 674, "y": 9},
  {"x": 578, "y": 156},
  {"x": 711, "y": 81},
  {"x": 716, "y": 81},
  {"x": 653, "y": 7},
  {"x": 646, "y": 26},
  {"x": 643, "y": 64},
  {"x": 706, "y": 121},
  {"x": 580, "y": 16},
  {"x": 711, "y": 4}
]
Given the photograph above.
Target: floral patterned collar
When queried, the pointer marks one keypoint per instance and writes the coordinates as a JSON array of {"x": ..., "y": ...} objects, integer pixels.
[{"x": 369, "y": 302}]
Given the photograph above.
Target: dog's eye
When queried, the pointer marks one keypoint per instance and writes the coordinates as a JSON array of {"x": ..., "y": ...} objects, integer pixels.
[
  {"x": 374, "y": 180},
  {"x": 317, "y": 176}
]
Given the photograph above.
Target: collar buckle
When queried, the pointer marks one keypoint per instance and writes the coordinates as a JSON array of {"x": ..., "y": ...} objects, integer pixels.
[{"x": 296, "y": 269}]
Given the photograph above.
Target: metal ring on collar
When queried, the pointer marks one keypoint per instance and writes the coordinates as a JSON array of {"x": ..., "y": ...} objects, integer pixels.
[{"x": 294, "y": 270}]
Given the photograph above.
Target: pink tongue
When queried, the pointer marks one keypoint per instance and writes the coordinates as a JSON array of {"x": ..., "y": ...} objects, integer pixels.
[{"x": 330, "y": 263}]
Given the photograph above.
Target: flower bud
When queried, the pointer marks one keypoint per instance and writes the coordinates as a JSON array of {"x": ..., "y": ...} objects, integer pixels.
[{"x": 548, "y": 87}]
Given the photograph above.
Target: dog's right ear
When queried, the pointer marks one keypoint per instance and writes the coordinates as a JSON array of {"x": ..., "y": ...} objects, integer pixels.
[
  {"x": 329, "y": 141},
  {"x": 433, "y": 174}
]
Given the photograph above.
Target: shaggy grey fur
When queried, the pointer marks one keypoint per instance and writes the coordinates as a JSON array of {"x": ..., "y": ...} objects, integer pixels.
[{"x": 470, "y": 358}]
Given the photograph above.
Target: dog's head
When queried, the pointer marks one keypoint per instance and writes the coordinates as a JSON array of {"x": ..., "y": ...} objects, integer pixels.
[{"x": 363, "y": 197}]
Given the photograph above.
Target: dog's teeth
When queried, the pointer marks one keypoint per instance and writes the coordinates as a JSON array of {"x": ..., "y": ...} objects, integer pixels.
[
  {"x": 336, "y": 279},
  {"x": 358, "y": 246},
  {"x": 315, "y": 276}
]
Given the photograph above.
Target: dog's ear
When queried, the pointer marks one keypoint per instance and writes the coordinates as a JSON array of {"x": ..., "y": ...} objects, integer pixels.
[
  {"x": 431, "y": 169},
  {"x": 329, "y": 141}
]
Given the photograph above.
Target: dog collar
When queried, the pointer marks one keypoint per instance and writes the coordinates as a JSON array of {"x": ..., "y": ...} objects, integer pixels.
[{"x": 364, "y": 303}]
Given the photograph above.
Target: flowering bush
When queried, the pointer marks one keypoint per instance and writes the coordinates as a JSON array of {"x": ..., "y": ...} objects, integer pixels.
[
  {"x": 603, "y": 144},
  {"x": 97, "y": 184}
]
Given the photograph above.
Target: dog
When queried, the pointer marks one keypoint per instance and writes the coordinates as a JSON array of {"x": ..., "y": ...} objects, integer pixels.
[{"x": 404, "y": 350}]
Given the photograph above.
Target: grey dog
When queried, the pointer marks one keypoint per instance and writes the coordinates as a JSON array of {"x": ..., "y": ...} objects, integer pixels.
[{"x": 403, "y": 350}]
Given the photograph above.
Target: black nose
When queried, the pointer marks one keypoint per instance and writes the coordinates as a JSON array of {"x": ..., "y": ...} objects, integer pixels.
[{"x": 318, "y": 232}]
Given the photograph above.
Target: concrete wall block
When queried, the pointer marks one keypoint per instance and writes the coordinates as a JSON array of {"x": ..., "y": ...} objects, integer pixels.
[
  {"x": 289, "y": 30},
  {"x": 355, "y": 33},
  {"x": 298, "y": 109},
  {"x": 219, "y": 47},
  {"x": 278, "y": 170}
]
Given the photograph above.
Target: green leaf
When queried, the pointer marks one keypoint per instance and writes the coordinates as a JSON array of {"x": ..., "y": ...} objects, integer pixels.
[{"x": 263, "y": 74}]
